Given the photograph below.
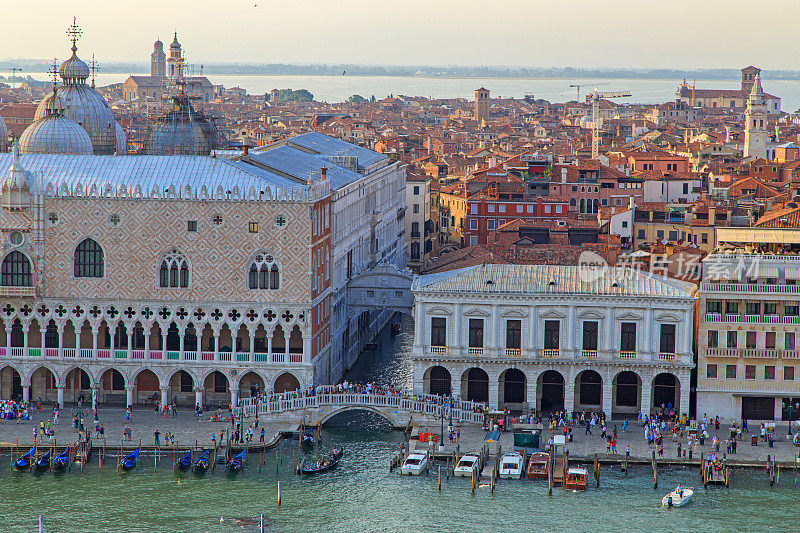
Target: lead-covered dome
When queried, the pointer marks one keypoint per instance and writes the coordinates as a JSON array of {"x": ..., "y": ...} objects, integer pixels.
[
  {"x": 54, "y": 133},
  {"x": 74, "y": 70},
  {"x": 180, "y": 131}
]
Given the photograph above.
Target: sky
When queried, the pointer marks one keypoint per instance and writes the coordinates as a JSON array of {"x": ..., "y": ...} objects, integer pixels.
[{"x": 682, "y": 34}]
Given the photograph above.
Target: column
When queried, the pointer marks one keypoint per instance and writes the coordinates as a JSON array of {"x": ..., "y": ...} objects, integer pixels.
[
  {"x": 306, "y": 346},
  {"x": 530, "y": 389},
  {"x": 25, "y": 327},
  {"x": 181, "y": 334},
  {"x": 612, "y": 341},
  {"x": 95, "y": 392},
  {"x": 198, "y": 396},
  {"x": 235, "y": 396},
  {"x": 419, "y": 321},
  {"x": 569, "y": 392},
  {"x": 535, "y": 331},
  {"x": 129, "y": 396},
  {"x": 113, "y": 340},
  {"x": 494, "y": 331},
  {"x": 684, "y": 394},
  {"x": 647, "y": 384},
  {"x": 60, "y": 345},
  {"x": 130, "y": 341},
  {"x": 60, "y": 391},
  {"x": 163, "y": 343},
  {"x": 571, "y": 331},
  {"x": 269, "y": 345},
  {"x": 149, "y": 330},
  {"x": 457, "y": 319},
  {"x": 216, "y": 345},
  {"x": 252, "y": 346},
  {"x": 164, "y": 396},
  {"x": 8, "y": 337},
  {"x": 494, "y": 390},
  {"x": 608, "y": 393},
  {"x": 26, "y": 393},
  {"x": 688, "y": 334},
  {"x": 95, "y": 329}
]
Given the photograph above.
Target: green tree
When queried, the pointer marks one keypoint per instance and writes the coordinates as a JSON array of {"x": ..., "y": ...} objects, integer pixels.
[{"x": 357, "y": 99}]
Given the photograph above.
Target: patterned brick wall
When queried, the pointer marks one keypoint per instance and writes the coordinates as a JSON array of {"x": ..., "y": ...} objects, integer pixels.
[{"x": 218, "y": 255}]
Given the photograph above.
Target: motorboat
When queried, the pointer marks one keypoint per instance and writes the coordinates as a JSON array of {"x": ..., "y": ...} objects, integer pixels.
[
  {"x": 678, "y": 497},
  {"x": 511, "y": 465},
  {"x": 576, "y": 478},
  {"x": 415, "y": 464},
  {"x": 468, "y": 465},
  {"x": 537, "y": 465}
]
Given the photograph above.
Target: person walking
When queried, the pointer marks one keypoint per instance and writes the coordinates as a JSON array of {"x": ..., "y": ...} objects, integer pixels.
[
  {"x": 156, "y": 435},
  {"x": 588, "y": 428}
]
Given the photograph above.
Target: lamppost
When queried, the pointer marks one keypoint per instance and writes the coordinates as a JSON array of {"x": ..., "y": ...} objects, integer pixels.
[{"x": 791, "y": 412}]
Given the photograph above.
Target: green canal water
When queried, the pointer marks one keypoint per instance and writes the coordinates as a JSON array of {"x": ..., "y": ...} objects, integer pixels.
[{"x": 363, "y": 496}]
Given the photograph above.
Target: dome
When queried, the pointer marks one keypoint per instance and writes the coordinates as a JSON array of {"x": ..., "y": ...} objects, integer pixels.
[
  {"x": 74, "y": 70},
  {"x": 55, "y": 134},
  {"x": 121, "y": 139},
  {"x": 175, "y": 44},
  {"x": 158, "y": 45},
  {"x": 84, "y": 105},
  {"x": 177, "y": 138}
]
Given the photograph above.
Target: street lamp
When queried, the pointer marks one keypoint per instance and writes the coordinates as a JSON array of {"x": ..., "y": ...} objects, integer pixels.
[{"x": 791, "y": 411}]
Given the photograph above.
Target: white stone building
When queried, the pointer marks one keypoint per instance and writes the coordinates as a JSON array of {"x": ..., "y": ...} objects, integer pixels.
[{"x": 555, "y": 337}]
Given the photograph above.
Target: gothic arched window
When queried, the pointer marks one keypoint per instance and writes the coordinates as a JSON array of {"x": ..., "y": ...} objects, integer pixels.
[
  {"x": 16, "y": 270},
  {"x": 263, "y": 273},
  {"x": 89, "y": 262},
  {"x": 174, "y": 270}
]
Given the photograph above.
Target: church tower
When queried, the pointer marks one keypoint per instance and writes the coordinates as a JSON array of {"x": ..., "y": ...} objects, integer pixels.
[
  {"x": 175, "y": 59},
  {"x": 481, "y": 105},
  {"x": 755, "y": 128},
  {"x": 158, "y": 60}
]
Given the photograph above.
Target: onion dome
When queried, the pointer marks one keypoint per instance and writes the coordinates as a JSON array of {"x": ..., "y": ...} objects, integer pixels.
[
  {"x": 54, "y": 133},
  {"x": 175, "y": 44},
  {"x": 121, "y": 139},
  {"x": 158, "y": 45},
  {"x": 74, "y": 70}
]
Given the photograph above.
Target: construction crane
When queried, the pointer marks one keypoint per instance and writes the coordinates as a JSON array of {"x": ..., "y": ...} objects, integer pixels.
[
  {"x": 688, "y": 86},
  {"x": 578, "y": 99},
  {"x": 594, "y": 97},
  {"x": 14, "y": 70}
]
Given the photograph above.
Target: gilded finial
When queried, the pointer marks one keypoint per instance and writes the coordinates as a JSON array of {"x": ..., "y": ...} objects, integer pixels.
[{"x": 74, "y": 32}]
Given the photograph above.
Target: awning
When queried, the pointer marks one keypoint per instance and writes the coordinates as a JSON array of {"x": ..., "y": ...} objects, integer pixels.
[
  {"x": 792, "y": 273},
  {"x": 765, "y": 271},
  {"x": 722, "y": 271}
]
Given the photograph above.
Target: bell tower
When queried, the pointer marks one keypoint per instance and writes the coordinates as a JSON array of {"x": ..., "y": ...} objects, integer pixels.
[
  {"x": 755, "y": 122},
  {"x": 481, "y": 105},
  {"x": 158, "y": 61}
]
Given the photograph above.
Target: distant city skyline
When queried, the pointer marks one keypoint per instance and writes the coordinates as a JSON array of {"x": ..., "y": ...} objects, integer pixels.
[{"x": 577, "y": 33}]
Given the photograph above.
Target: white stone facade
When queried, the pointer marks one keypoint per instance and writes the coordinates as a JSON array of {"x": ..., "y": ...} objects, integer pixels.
[{"x": 539, "y": 337}]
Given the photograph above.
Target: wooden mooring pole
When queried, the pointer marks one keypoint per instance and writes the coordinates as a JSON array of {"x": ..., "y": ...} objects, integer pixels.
[
  {"x": 440, "y": 478},
  {"x": 279, "y": 494},
  {"x": 654, "y": 465},
  {"x": 597, "y": 470}
]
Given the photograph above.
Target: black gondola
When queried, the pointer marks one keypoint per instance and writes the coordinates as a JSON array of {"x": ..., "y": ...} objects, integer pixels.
[
  {"x": 43, "y": 462},
  {"x": 237, "y": 463},
  {"x": 323, "y": 466},
  {"x": 130, "y": 460},
  {"x": 61, "y": 460},
  {"x": 184, "y": 462},
  {"x": 308, "y": 439},
  {"x": 24, "y": 462},
  {"x": 201, "y": 463}
]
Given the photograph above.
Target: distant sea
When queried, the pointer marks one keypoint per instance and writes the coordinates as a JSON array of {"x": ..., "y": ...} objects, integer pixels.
[{"x": 339, "y": 88}]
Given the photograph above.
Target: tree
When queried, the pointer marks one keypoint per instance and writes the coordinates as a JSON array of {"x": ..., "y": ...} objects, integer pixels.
[
  {"x": 357, "y": 99},
  {"x": 299, "y": 95}
]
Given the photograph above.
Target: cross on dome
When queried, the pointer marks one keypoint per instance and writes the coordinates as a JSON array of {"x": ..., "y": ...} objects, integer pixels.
[{"x": 74, "y": 31}]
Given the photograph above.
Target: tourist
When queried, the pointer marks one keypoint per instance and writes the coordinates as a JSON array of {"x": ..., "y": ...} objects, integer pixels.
[
  {"x": 156, "y": 435},
  {"x": 262, "y": 435}
]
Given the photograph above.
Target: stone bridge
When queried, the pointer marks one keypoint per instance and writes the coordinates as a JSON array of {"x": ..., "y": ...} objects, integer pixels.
[
  {"x": 384, "y": 287},
  {"x": 398, "y": 409}
]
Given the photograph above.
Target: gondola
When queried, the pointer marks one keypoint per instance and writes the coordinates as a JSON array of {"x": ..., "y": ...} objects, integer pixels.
[
  {"x": 201, "y": 463},
  {"x": 329, "y": 464},
  {"x": 62, "y": 460},
  {"x": 184, "y": 462},
  {"x": 24, "y": 462},
  {"x": 307, "y": 440},
  {"x": 237, "y": 463},
  {"x": 130, "y": 460},
  {"x": 43, "y": 462}
]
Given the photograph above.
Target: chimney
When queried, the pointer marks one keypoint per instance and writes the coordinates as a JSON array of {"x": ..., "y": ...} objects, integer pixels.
[
  {"x": 324, "y": 172},
  {"x": 712, "y": 216}
]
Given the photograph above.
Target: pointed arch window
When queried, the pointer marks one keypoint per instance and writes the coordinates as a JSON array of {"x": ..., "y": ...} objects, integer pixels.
[
  {"x": 16, "y": 270},
  {"x": 174, "y": 270},
  {"x": 89, "y": 260},
  {"x": 263, "y": 273}
]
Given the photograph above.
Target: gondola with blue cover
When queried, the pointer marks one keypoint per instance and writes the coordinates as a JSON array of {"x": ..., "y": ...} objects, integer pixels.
[
  {"x": 24, "y": 462},
  {"x": 61, "y": 460},
  {"x": 43, "y": 462},
  {"x": 184, "y": 462},
  {"x": 202, "y": 462},
  {"x": 129, "y": 461},
  {"x": 308, "y": 439},
  {"x": 237, "y": 463}
]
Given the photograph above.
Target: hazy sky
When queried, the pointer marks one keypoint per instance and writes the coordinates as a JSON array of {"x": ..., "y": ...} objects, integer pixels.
[{"x": 539, "y": 33}]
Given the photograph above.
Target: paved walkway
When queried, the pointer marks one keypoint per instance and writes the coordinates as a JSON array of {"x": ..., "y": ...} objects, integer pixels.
[
  {"x": 144, "y": 423},
  {"x": 473, "y": 439}
]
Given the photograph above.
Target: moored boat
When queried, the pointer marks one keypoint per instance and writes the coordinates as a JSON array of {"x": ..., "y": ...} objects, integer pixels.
[
  {"x": 24, "y": 461},
  {"x": 678, "y": 497},
  {"x": 511, "y": 465},
  {"x": 576, "y": 478},
  {"x": 467, "y": 465},
  {"x": 202, "y": 462},
  {"x": 129, "y": 461},
  {"x": 184, "y": 462},
  {"x": 61, "y": 460},
  {"x": 415, "y": 464},
  {"x": 323, "y": 466},
  {"x": 237, "y": 463},
  {"x": 307, "y": 440},
  {"x": 537, "y": 465},
  {"x": 43, "y": 462}
]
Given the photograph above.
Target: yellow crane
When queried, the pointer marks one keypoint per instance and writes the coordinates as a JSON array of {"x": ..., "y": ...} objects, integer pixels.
[{"x": 594, "y": 97}]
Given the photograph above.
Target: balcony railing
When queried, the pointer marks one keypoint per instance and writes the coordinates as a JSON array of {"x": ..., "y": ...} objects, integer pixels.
[
  {"x": 549, "y": 352},
  {"x": 713, "y": 317},
  {"x": 513, "y": 352},
  {"x": 592, "y": 354},
  {"x": 772, "y": 319},
  {"x": 17, "y": 291},
  {"x": 475, "y": 351},
  {"x": 766, "y": 353},
  {"x": 441, "y": 350},
  {"x": 750, "y": 287},
  {"x": 790, "y": 319},
  {"x": 751, "y": 319},
  {"x": 627, "y": 355},
  {"x": 666, "y": 356}
]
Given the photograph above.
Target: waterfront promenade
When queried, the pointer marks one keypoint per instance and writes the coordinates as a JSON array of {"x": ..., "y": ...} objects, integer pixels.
[{"x": 187, "y": 430}]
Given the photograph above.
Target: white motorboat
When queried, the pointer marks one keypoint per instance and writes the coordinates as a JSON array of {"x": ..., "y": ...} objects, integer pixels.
[
  {"x": 678, "y": 497},
  {"x": 415, "y": 464},
  {"x": 511, "y": 466},
  {"x": 467, "y": 465}
]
